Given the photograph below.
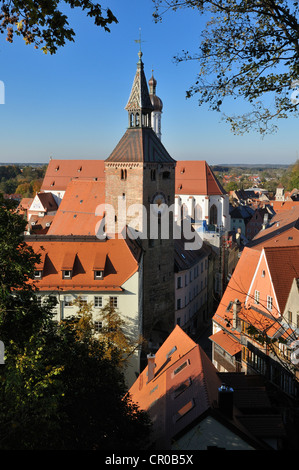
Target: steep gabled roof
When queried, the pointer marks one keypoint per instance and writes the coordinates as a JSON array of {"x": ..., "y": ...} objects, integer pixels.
[
  {"x": 60, "y": 172},
  {"x": 196, "y": 177},
  {"x": 77, "y": 211},
  {"x": 185, "y": 385},
  {"x": 140, "y": 145},
  {"x": 283, "y": 263}
]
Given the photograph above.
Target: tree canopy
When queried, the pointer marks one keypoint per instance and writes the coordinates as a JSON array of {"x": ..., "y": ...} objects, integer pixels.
[
  {"x": 248, "y": 49},
  {"x": 59, "y": 390},
  {"x": 45, "y": 24}
]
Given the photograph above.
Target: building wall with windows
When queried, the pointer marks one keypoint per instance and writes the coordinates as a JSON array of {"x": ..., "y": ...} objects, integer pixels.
[
  {"x": 191, "y": 287},
  {"x": 94, "y": 272}
]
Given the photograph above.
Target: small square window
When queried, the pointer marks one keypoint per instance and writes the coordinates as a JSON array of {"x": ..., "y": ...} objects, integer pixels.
[
  {"x": 67, "y": 274},
  {"x": 98, "y": 274}
]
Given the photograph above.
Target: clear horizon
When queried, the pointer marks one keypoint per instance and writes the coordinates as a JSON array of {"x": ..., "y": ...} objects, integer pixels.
[{"x": 71, "y": 105}]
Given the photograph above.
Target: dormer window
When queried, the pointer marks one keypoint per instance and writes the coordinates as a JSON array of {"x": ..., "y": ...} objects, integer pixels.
[
  {"x": 99, "y": 274},
  {"x": 37, "y": 274},
  {"x": 67, "y": 274}
]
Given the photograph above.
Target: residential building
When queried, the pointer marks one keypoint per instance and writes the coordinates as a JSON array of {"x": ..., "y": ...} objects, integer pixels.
[
  {"x": 194, "y": 407},
  {"x": 96, "y": 272},
  {"x": 251, "y": 328},
  {"x": 193, "y": 287}
]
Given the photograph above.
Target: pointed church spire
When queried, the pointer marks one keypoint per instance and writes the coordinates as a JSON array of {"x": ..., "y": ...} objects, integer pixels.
[{"x": 139, "y": 105}]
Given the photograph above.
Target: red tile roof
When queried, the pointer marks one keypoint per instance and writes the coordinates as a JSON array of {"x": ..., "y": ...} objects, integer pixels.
[
  {"x": 81, "y": 255},
  {"x": 196, "y": 177},
  {"x": 238, "y": 285},
  {"x": 184, "y": 386},
  {"x": 231, "y": 345},
  {"x": 283, "y": 263},
  {"x": 76, "y": 213},
  {"x": 60, "y": 172}
]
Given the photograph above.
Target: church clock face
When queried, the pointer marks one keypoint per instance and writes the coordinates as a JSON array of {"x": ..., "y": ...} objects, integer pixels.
[{"x": 158, "y": 201}]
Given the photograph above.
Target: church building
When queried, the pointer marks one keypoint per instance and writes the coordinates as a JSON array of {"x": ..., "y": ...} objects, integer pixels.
[{"x": 140, "y": 174}]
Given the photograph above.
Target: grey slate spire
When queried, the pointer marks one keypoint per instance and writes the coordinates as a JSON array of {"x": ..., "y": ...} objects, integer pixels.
[{"x": 139, "y": 105}]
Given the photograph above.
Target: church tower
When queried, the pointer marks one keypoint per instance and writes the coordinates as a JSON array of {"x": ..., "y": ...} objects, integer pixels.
[
  {"x": 140, "y": 173},
  {"x": 157, "y": 107}
]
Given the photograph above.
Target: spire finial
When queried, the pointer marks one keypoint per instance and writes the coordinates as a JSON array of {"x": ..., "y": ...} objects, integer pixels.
[{"x": 139, "y": 41}]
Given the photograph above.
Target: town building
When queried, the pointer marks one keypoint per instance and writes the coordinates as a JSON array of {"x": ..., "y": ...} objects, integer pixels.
[
  {"x": 94, "y": 272},
  {"x": 193, "y": 287},
  {"x": 255, "y": 324},
  {"x": 194, "y": 407}
]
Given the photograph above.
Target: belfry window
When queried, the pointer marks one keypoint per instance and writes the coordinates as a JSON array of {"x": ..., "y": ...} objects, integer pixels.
[{"x": 123, "y": 174}]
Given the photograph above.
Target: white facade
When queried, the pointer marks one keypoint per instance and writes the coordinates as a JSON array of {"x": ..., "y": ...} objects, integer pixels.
[
  {"x": 126, "y": 301},
  {"x": 213, "y": 209}
]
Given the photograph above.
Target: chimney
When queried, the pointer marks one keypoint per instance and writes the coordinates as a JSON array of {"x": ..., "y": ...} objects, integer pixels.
[
  {"x": 226, "y": 400},
  {"x": 265, "y": 221},
  {"x": 236, "y": 310},
  {"x": 150, "y": 367}
]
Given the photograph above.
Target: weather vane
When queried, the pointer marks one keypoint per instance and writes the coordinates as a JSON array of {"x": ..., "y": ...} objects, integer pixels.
[{"x": 139, "y": 40}]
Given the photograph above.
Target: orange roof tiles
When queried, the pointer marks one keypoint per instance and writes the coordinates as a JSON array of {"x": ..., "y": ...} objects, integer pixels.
[
  {"x": 283, "y": 230},
  {"x": 283, "y": 263},
  {"x": 76, "y": 212},
  {"x": 60, "y": 172},
  {"x": 226, "y": 342},
  {"x": 184, "y": 386},
  {"x": 238, "y": 285},
  {"x": 282, "y": 206},
  {"x": 79, "y": 255},
  {"x": 196, "y": 177}
]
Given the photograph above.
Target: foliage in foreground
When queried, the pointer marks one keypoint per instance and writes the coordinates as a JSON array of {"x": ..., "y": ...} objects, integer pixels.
[{"x": 58, "y": 389}]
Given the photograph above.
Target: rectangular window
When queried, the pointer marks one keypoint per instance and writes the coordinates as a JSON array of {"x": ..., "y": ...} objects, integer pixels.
[
  {"x": 179, "y": 282},
  {"x": 37, "y": 274},
  {"x": 113, "y": 301},
  {"x": 98, "y": 301},
  {"x": 98, "y": 326},
  {"x": 182, "y": 388},
  {"x": 256, "y": 297},
  {"x": 269, "y": 302},
  {"x": 178, "y": 304},
  {"x": 82, "y": 300},
  {"x": 98, "y": 274},
  {"x": 184, "y": 410},
  {"x": 68, "y": 300},
  {"x": 181, "y": 367},
  {"x": 66, "y": 274}
]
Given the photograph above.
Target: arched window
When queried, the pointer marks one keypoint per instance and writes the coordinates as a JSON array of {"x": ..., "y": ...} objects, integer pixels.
[
  {"x": 132, "y": 120},
  {"x": 123, "y": 174},
  {"x": 137, "y": 120},
  {"x": 197, "y": 214},
  {"x": 213, "y": 215}
]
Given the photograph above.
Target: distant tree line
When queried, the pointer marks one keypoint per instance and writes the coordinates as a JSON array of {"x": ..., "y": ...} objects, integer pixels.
[
  {"x": 270, "y": 177},
  {"x": 22, "y": 180}
]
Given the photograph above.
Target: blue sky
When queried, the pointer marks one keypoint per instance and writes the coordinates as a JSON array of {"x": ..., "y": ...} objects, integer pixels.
[{"x": 71, "y": 105}]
